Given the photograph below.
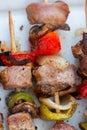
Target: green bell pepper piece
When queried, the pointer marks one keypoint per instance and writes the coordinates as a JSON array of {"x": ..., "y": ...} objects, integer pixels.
[{"x": 16, "y": 97}]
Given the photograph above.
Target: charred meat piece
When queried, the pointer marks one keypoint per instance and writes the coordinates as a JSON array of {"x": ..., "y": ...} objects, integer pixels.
[
  {"x": 77, "y": 50},
  {"x": 1, "y": 122},
  {"x": 20, "y": 121},
  {"x": 60, "y": 125},
  {"x": 80, "y": 51},
  {"x": 44, "y": 13},
  {"x": 16, "y": 77}
]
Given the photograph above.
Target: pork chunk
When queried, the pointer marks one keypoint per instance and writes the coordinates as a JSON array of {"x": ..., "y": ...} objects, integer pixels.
[
  {"x": 49, "y": 75},
  {"x": 20, "y": 121},
  {"x": 45, "y": 13},
  {"x": 16, "y": 77}
]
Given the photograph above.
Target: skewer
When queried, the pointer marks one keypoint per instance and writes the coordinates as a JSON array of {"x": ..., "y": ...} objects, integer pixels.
[
  {"x": 56, "y": 95},
  {"x": 86, "y": 13},
  {"x": 85, "y": 30},
  {"x": 45, "y": 1},
  {"x": 12, "y": 34}
]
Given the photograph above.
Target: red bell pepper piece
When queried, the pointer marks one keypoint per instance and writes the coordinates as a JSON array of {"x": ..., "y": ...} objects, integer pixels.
[
  {"x": 82, "y": 89},
  {"x": 23, "y": 55},
  {"x": 17, "y": 56},
  {"x": 5, "y": 61},
  {"x": 48, "y": 44}
]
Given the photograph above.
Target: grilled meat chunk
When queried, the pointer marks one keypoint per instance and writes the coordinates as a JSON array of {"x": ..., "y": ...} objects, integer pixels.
[
  {"x": 53, "y": 73},
  {"x": 77, "y": 50},
  {"x": 16, "y": 77},
  {"x": 49, "y": 75},
  {"x": 46, "y": 13},
  {"x": 80, "y": 51},
  {"x": 1, "y": 122},
  {"x": 20, "y": 121},
  {"x": 60, "y": 125}
]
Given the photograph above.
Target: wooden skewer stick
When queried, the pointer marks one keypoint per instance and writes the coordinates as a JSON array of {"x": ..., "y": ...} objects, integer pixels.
[
  {"x": 56, "y": 95},
  {"x": 85, "y": 30},
  {"x": 46, "y": 1},
  {"x": 13, "y": 42},
  {"x": 57, "y": 100},
  {"x": 86, "y": 12},
  {"x": 12, "y": 34}
]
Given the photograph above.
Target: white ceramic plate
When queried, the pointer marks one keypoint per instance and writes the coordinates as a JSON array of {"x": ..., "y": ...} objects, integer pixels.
[{"x": 76, "y": 20}]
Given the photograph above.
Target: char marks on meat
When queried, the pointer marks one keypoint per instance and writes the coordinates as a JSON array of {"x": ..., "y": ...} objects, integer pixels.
[
  {"x": 20, "y": 121},
  {"x": 60, "y": 125},
  {"x": 16, "y": 77},
  {"x": 44, "y": 13}
]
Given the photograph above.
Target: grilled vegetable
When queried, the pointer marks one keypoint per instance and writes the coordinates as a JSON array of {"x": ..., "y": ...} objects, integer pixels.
[
  {"x": 83, "y": 125},
  {"x": 28, "y": 107},
  {"x": 47, "y": 112},
  {"x": 15, "y": 98},
  {"x": 46, "y": 45},
  {"x": 9, "y": 59},
  {"x": 62, "y": 106},
  {"x": 1, "y": 122},
  {"x": 82, "y": 89}
]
